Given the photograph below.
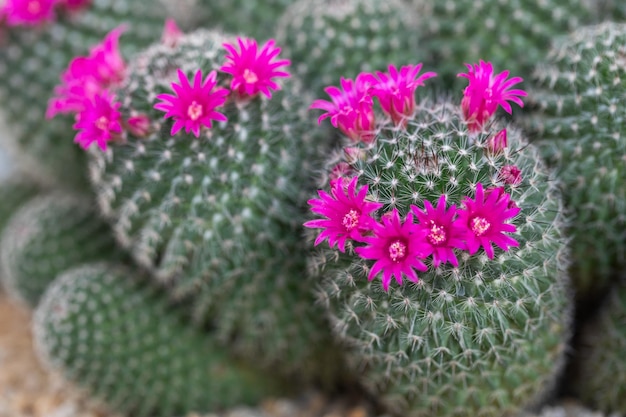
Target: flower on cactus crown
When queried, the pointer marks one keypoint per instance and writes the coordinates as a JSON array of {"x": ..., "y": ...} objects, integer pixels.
[
  {"x": 139, "y": 125},
  {"x": 99, "y": 122},
  {"x": 193, "y": 106},
  {"x": 485, "y": 92},
  {"x": 443, "y": 231},
  {"x": 27, "y": 12},
  {"x": 253, "y": 70},
  {"x": 396, "y": 90},
  {"x": 497, "y": 143},
  {"x": 510, "y": 174},
  {"x": 351, "y": 109},
  {"x": 348, "y": 215},
  {"x": 109, "y": 65},
  {"x": 484, "y": 219},
  {"x": 171, "y": 33},
  {"x": 398, "y": 248}
]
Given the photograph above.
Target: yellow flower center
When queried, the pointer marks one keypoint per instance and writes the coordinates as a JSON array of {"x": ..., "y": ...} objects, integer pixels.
[
  {"x": 351, "y": 220},
  {"x": 194, "y": 111},
  {"x": 397, "y": 251},
  {"x": 479, "y": 226},
  {"x": 437, "y": 234},
  {"x": 102, "y": 123},
  {"x": 250, "y": 76}
]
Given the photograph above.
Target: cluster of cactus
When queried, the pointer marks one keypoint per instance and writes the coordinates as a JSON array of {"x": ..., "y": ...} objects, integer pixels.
[{"x": 185, "y": 272}]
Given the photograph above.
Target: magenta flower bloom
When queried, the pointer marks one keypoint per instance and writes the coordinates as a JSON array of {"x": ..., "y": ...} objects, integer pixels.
[
  {"x": 396, "y": 90},
  {"x": 510, "y": 174},
  {"x": 108, "y": 64},
  {"x": 484, "y": 220},
  {"x": 443, "y": 231},
  {"x": 398, "y": 248},
  {"x": 348, "y": 215},
  {"x": 99, "y": 122},
  {"x": 252, "y": 70},
  {"x": 193, "y": 106},
  {"x": 27, "y": 12},
  {"x": 351, "y": 109},
  {"x": 486, "y": 92}
]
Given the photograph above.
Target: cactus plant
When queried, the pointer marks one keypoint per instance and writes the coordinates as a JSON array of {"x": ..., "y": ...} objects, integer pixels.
[
  {"x": 515, "y": 34},
  {"x": 103, "y": 327},
  {"x": 476, "y": 332},
  {"x": 15, "y": 191},
  {"x": 327, "y": 39},
  {"x": 47, "y": 235},
  {"x": 214, "y": 212},
  {"x": 32, "y": 57},
  {"x": 579, "y": 122}
]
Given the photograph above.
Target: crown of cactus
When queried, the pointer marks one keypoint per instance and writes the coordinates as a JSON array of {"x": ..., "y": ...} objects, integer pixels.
[
  {"x": 211, "y": 199},
  {"x": 514, "y": 34},
  {"x": 327, "y": 39},
  {"x": 39, "y": 37},
  {"x": 422, "y": 194},
  {"x": 580, "y": 121},
  {"x": 47, "y": 235},
  {"x": 102, "y": 327}
]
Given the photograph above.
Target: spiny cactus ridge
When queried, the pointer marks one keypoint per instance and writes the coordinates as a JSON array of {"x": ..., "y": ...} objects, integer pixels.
[{"x": 15, "y": 190}]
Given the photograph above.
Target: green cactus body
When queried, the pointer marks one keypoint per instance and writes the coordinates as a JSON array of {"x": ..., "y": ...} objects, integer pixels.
[
  {"x": 327, "y": 39},
  {"x": 47, "y": 235},
  {"x": 512, "y": 34},
  {"x": 106, "y": 330},
  {"x": 485, "y": 338},
  {"x": 601, "y": 382},
  {"x": 579, "y": 121},
  {"x": 217, "y": 218},
  {"x": 15, "y": 191},
  {"x": 31, "y": 61}
]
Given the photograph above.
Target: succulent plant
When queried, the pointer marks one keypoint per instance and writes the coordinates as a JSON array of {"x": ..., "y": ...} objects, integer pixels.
[
  {"x": 15, "y": 191},
  {"x": 327, "y": 39},
  {"x": 579, "y": 124},
  {"x": 105, "y": 328},
  {"x": 48, "y": 234},
  {"x": 419, "y": 198}
]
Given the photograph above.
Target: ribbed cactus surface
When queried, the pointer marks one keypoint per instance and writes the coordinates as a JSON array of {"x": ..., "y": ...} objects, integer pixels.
[
  {"x": 103, "y": 328},
  {"x": 579, "y": 120},
  {"x": 485, "y": 337}
]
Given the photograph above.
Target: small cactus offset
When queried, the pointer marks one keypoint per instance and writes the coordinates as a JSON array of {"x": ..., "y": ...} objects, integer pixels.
[
  {"x": 327, "y": 39},
  {"x": 47, "y": 235},
  {"x": 15, "y": 190},
  {"x": 579, "y": 120},
  {"x": 512, "y": 33},
  {"x": 104, "y": 328},
  {"x": 212, "y": 202},
  {"x": 418, "y": 199}
]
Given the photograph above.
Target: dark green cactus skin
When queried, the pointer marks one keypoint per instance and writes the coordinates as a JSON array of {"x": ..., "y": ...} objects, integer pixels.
[
  {"x": 47, "y": 235},
  {"x": 111, "y": 333},
  {"x": 484, "y": 339},
  {"x": 31, "y": 61},
  {"x": 512, "y": 34},
  {"x": 15, "y": 191},
  {"x": 217, "y": 218},
  {"x": 579, "y": 120},
  {"x": 329, "y": 39}
]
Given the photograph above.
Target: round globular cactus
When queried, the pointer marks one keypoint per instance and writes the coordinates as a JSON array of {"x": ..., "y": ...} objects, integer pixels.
[
  {"x": 462, "y": 221},
  {"x": 327, "y": 39},
  {"x": 15, "y": 190},
  {"x": 579, "y": 122},
  {"x": 512, "y": 33},
  {"x": 103, "y": 327},
  {"x": 48, "y": 234},
  {"x": 212, "y": 201}
]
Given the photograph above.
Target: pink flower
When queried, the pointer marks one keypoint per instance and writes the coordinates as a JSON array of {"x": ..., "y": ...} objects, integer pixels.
[
  {"x": 397, "y": 247},
  {"x": 511, "y": 175},
  {"x": 193, "y": 106},
  {"x": 109, "y": 66},
  {"x": 171, "y": 33},
  {"x": 252, "y": 70},
  {"x": 486, "y": 92},
  {"x": 396, "y": 90},
  {"x": 348, "y": 215},
  {"x": 27, "y": 12},
  {"x": 497, "y": 143},
  {"x": 351, "y": 109},
  {"x": 484, "y": 219},
  {"x": 139, "y": 125},
  {"x": 99, "y": 122},
  {"x": 443, "y": 232},
  {"x": 341, "y": 170}
]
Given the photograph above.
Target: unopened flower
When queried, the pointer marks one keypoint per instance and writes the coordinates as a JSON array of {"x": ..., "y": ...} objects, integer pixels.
[
  {"x": 396, "y": 90},
  {"x": 171, "y": 33},
  {"x": 351, "y": 109},
  {"x": 27, "y": 12},
  {"x": 254, "y": 71},
  {"x": 497, "y": 143},
  {"x": 193, "y": 106},
  {"x": 398, "y": 248},
  {"x": 443, "y": 231},
  {"x": 486, "y": 92},
  {"x": 138, "y": 125},
  {"x": 484, "y": 219},
  {"x": 99, "y": 122},
  {"x": 348, "y": 214},
  {"x": 510, "y": 174}
]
